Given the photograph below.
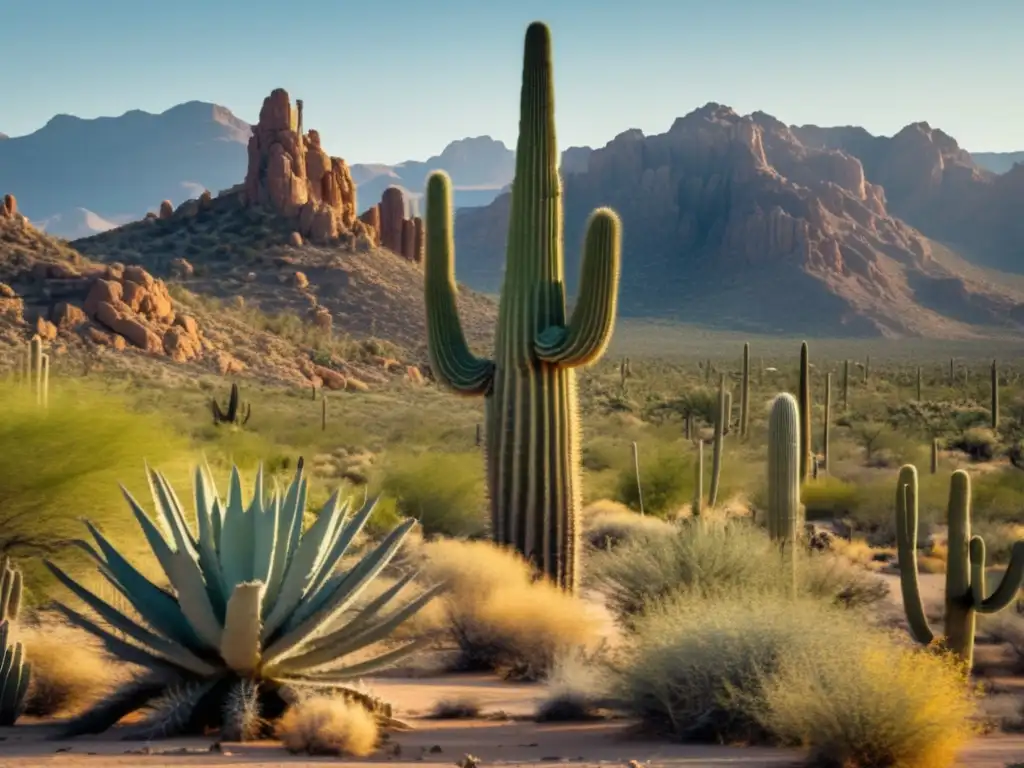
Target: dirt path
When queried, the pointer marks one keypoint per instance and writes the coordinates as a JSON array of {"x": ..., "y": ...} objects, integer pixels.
[{"x": 508, "y": 742}]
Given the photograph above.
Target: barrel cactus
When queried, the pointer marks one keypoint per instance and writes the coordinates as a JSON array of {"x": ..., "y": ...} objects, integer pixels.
[
  {"x": 966, "y": 592},
  {"x": 256, "y": 609},
  {"x": 15, "y": 672},
  {"x": 532, "y": 418}
]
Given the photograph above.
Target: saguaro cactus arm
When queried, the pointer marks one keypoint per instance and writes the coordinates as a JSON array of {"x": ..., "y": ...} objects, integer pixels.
[
  {"x": 589, "y": 330},
  {"x": 451, "y": 360},
  {"x": 906, "y": 539},
  {"x": 1009, "y": 586}
]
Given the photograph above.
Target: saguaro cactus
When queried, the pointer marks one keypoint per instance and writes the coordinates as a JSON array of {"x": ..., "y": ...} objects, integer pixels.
[
  {"x": 784, "y": 452},
  {"x": 15, "y": 672},
  {"x": 719, "y": 446},
  {"x": 966, "y": 592},
  {"x": 995, "y": 395},
  {"x": 698, "y": 480},
  {"x": 826, "y": 419},
  {"x": 532, "y": 418},
  {"x": 745, "y": 392},
  {"x": 919, "y": 385},
  {"x": 846, "y": 386},
  {"x": 805, "y": 412}
]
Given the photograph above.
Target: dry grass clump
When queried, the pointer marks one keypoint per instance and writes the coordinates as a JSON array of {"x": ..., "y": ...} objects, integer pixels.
[
  {"x": 578, "y": 688},
  {"x": 609, "y": 523},
  {"x": 69, "y": 669},
  {"x": 709, "y": 557},
  {"x": 761, "y": 668},
  {"x": 463, "y": 708},
  {"x": 327, "y": 725},
  {"x": 499, "y": 617}
]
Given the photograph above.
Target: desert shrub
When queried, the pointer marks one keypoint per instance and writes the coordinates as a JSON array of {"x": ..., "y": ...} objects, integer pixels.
[
  {"x": 498, "y": 617},
  {"x": 711, "y": 558},
  {"x": 325, "y": 725},
  {"x": 609, "y": 523},
  {"x": 763, "y": 668},
  {"x": 667, "y": 479},
  {"x": 875, "y": 705},
  {"x": 444, "y": 491},
  {"x": 997, "y": 496},
  {"x": 980, "y": 443},
  {"x": 65, "y": 463},
  {"x": 69, "y": 669},
  {"x": 578, "y": 686},
  {"x": 828, "y": 497},
  {"x": 455, "y": 709}
]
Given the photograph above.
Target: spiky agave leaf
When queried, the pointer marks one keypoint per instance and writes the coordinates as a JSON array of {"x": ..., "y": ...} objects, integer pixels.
[{"x": 130, "y": 697}]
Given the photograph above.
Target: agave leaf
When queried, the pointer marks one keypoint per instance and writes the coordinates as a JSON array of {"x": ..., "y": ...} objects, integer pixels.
[
  {"x": 156, "y": 606},
  {"x": 125, "y": 651},
  {"x": 236, "y": 550},
  {"x": 156, "y": 540},
  {"x": 240, "y": 643},
  {"x": 167, "y": 501},
  {"x": 217, "y": 518},
  {"x": 336, "y": 601},
  {"x": 265, "y": 541},
  {"x": 300, "y": 570},
  {"x": 290, "y": 512},
  {"x": 216, "y": 508},
  {"x": 209, "y": 563},
  {"x": 106, "y": 713},
  {"x": 156, "y": 645},
  {"x": 343, "y": 642},
  {"x": 360, "y": 669},
  {"x": 192, "y": 597},
  {"x": 320, "y": 586}
]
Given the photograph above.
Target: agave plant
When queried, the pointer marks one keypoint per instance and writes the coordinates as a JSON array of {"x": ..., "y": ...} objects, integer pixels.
[{"x": 256, "y": 611}]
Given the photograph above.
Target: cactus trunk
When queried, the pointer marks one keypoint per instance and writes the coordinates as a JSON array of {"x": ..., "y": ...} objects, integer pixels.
[
  {"x": 919, "y": 398},
  {"x": 532, "y": 419},
  {"x": 805, "y": 412},
  {"x": 867, "y": 369},
  {"x": 716, "y": 456},
  {"x": 636, "y": 471},
  {"x": 745, "y": 392},
  {"x": 784, "y": 452},
  {"x": 935, "y": 455},
  {"x": 846, "y": 386},
  {"x": 825, "y": 422},
  {"x": 698, "y": 485},
  {"x": 995, "y": 395}
]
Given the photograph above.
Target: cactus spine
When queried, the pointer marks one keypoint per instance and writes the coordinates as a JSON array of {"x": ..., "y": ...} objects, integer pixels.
[
  {"x": 995, "y": 395},
  {"x": 805, "y": 412},
  {"x": 784, "y": 454},
  {"x": 826, "y": 418},
  {"x": 719, "y": 446},
  {"x": 745, "y": 392},
  {"x": 532, "y": 418},
  {"x": 965, "y": 570},
  {"x": 15, "y": 672}
]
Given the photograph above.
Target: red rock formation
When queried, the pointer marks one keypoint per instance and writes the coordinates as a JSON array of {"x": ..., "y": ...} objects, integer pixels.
[
  {"x": 291, "y": 174},
  {"x": 419, "y": 241},
  {"x": 166, "y": 209},
  {"x": 371, "y": 222},
  {"x": 408, "y": 240},
  {"x": 9, "y": 207},
  {"x": 392, "y": 213}
]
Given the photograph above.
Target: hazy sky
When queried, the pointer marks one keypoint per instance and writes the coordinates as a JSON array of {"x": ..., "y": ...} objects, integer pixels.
[{"x": 389, "y": 80}]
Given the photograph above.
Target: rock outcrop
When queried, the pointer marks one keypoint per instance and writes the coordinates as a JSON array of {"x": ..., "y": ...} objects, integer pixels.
[
  {"x": 290, "y": 173},
  {"x": 729, "y": 218},
  {"x": 392, "y": 229}
]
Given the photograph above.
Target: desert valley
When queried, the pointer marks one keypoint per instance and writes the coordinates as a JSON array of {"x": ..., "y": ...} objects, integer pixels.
[{"x": 698, "y": 447}]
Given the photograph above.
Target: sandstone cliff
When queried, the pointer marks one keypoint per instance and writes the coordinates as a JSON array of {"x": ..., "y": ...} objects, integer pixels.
[
  {"x": 734, "y": 221},
  {"x": 390, "y": 228},
  {"x": 936, "y": 186}
]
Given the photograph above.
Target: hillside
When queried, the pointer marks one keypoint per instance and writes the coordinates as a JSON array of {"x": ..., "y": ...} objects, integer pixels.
[
  {"x": 936, "y": 186},
  {"x": 997, "y": 162},
  {"x": 736, "y": 222}
]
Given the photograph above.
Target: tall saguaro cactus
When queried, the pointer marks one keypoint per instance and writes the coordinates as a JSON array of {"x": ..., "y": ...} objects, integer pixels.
[
  {"x": 966, "y": 591},
  {"x": 719, "y": 446},
  {"x": 784, "y": 451},
  {"x": 995, "y": 395},
  {"x": 532, "y": 418},
  {"x": 745, "y": 391},
  {"x": 805, "y": 412},
  {"x": 826, "y": 421}
]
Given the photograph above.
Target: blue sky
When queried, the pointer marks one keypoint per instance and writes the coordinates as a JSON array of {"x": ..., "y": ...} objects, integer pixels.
[{"x": 389, "y": 80}]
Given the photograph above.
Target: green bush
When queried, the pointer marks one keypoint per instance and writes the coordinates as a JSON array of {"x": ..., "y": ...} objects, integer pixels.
[
  {"x": 65, "y": 462},
  {"x": 444, "y": 491},
  {"x": 980, "y": 443},
  {"x": 667, "y": 479},
  {"x": 763, "y": 668},
  {"x": 711, "y": 558},
  {"x": 828, "y": 497}
]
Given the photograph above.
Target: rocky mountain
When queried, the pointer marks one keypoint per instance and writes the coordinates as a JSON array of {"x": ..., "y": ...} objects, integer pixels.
[
  {"x": 997, "y": 162},
  {"x": 117, "y": 168},
  {"x": 936, "y": 186},
  {"x": 739, "y": 221}
]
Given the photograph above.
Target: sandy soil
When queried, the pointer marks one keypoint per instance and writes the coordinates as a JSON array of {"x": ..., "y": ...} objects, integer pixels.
[{"x": 496, "y": 738}]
